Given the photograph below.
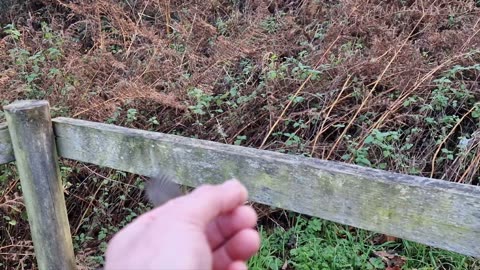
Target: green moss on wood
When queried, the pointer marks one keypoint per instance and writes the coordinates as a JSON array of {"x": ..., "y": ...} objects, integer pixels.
[
  {"x": 32, "y": 139},
  {"x": 428, "y": 211}
]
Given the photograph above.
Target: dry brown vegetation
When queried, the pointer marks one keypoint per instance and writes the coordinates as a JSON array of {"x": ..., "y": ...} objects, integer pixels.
[{"x": 387, "y": 84}]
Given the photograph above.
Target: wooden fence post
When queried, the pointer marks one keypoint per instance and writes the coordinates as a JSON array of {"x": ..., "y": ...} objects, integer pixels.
[{"x": 31, "y": 132}]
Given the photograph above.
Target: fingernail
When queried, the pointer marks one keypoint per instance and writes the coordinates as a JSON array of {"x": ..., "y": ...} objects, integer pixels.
[
  {"x": 235, "y": 183},
  {"x": 232, "y": 182}
]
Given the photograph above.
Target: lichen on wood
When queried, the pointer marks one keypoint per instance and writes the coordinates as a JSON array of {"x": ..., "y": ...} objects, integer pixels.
[
  {"x": 32, "y": 137},
  {"x": 429, "y": 211}
]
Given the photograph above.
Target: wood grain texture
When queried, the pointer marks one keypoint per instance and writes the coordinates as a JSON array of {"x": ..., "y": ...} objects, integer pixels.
[
  {"x": 31, "y": 131},
  {"x": 437, "y": 213},
  {"x": 6, "y": 150}
]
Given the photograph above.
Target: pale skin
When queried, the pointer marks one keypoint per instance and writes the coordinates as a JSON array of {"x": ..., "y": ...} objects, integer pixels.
[{"x": 210, "y": 228}]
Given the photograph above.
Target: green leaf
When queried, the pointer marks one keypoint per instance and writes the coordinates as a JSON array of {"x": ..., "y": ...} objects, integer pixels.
[
  {"x": 430, "y": 120},
  {"x": 363, "y": 161},
  {"x": 407, "y": 146},
  {"x": 31, "y": 77},
  {"x": 476, "y": 112},
  {"x": 101, "y": 235},
  {"x": 369, "y": 139},
  {"x": 272, "y": 75},
  {"x": 239, "y": 139}
]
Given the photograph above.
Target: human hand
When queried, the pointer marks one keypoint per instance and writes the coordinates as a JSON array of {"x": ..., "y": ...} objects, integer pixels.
[{"x": 209, "y": 228}]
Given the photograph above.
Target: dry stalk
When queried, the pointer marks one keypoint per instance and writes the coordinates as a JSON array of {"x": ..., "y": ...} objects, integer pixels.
[
  {"x": 280, "y": 117},
  {"x": 320, "y": 132},
  {"x": 364, "y": 102},
  {"x": 446, "y": 138}
]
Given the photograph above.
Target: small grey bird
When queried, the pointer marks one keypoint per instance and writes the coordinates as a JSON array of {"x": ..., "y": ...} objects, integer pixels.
[{"x": 162, "y": 188}]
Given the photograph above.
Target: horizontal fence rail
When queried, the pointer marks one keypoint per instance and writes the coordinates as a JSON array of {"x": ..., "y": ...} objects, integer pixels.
[{"x": 434, "y": 212}]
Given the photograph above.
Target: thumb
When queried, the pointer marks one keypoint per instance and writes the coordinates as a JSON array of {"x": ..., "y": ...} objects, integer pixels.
[{"x": 207, "y": 202}]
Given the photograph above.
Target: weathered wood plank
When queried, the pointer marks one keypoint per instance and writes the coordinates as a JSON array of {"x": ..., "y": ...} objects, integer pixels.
[
  {"x": 437, "y": 213},
  {"x": 6, "y": 150},
  {"x": 33, "y": 141}
]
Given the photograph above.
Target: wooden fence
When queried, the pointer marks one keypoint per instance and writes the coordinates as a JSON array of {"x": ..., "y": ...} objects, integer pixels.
[{"x": 434, "y": 212}]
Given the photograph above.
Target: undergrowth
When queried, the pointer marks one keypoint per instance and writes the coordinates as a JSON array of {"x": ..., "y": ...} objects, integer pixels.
[
  {"x": 392, "y": 85},
  {"x": 311, "y": 243}
]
